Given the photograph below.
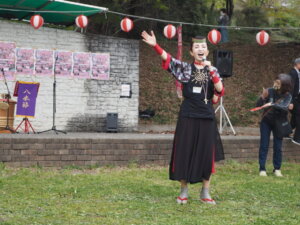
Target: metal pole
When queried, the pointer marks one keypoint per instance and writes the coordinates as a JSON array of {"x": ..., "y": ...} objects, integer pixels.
[{"x": 222, "y": 110}]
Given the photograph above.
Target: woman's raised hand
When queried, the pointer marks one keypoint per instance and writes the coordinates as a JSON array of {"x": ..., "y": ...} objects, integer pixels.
[{"x": 149, "y": 39}]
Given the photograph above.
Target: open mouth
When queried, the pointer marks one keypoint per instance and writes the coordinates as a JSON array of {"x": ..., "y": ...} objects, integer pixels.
[{"x": 200, "y": 54}]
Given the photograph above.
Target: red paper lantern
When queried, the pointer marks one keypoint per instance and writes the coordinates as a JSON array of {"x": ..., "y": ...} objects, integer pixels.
[
  {"x": 169, "y": 31},
  {"x": 214, "y": 37},
  {"x": 126, "y": 24},
  {"x": 36, "y": 21},
  {"x": 81, "y": 21},
  {"x": 262, "y": 38}
]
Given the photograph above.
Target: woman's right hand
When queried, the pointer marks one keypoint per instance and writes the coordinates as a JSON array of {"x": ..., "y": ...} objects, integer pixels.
[
  {"x": 267, "y": 105},
  {"x": 149, "y": 39}
]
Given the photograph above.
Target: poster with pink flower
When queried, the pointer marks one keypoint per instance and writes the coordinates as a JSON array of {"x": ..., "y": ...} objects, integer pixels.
[
  {"x": 82, "y": 65},
  {"x": 7, "y": 60},
  {"x": 44, "y": 62},
  {"x": 63, "y": 63},
  {"x": 24, "y": 61},
  {"x": 100, "y": 66}
]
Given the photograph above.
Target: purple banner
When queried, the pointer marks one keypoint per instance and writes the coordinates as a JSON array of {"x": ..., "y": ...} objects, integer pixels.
[{"x": 27, "y": 94}]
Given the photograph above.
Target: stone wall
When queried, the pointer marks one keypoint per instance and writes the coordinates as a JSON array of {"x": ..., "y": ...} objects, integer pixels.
[
  {"x": 82, "y": 104},
  {"x": 103, "y": 150}
]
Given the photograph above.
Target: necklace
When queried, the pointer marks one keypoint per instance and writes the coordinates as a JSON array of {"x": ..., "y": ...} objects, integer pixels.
[
  {"x": 198, "y": 63},
  {"x": 200, "y": 77}
]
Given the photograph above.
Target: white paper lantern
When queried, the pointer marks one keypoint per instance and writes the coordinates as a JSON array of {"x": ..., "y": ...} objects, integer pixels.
[
  {"x": 36, "y": 21},
  {"x": 81, "y": 21},
  {"x": 169, "y": 31},
  {"x": 262, "y": 38},
  {"x": 126, "y": 24}
]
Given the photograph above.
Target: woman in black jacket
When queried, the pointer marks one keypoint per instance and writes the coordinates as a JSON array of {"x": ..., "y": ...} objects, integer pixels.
[{"x": 275, "y": 102}]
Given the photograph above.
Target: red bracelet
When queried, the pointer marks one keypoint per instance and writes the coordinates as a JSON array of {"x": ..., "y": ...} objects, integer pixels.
[
  {"x": 158, "y": 49},
  {"x": 215, "y": 79},
  {"x": 220, "y": 94},
  {"x": 212, "y": 72}
]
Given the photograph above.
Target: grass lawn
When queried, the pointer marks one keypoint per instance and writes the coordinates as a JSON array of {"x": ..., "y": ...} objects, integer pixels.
[{"x": 144, "y": 195}]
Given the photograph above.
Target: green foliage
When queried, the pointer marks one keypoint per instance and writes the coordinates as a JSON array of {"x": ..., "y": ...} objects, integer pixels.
[
  {"x": 196, "y": 11},
  {"x": 144, "y": 195},
  {"x": 252, "y": 16},
  {"x": 257, "y": 13},
  {"x": 279, "y": 13}
]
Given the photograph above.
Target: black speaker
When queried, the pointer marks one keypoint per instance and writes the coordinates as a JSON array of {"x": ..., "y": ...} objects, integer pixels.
[
  {"x": 112, "y": 122},
  {"x": 223, "y": 61}
]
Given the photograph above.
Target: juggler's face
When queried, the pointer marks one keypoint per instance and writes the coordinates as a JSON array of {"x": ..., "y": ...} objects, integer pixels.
[
  {"x": 199, "y": 51},
  {"x": 298, "y": 66},
  {"x": 277, "y": 85}
]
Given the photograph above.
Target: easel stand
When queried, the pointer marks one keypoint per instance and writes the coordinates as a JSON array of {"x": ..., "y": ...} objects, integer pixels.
[
  {"x": 224, "y": 118},
  {"x": 27, "y": 126},
  {"x": 54, "y": 109}
]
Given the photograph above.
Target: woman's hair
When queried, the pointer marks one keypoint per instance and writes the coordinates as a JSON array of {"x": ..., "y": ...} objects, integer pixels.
[
  {"x": 286, "y": 83},
  {"x": 223, "y": 10},
  {"x": 192, "y": 42}
]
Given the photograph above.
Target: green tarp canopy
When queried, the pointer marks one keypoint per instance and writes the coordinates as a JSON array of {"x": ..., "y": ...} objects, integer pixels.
[{"x": 53, "y": 11}]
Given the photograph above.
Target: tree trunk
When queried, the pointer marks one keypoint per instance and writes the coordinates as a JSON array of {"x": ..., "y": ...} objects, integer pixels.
[{"x": 229, "y": 7}]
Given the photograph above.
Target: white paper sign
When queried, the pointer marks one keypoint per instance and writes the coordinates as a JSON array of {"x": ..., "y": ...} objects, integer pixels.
[{"x": 126, "y": 90}]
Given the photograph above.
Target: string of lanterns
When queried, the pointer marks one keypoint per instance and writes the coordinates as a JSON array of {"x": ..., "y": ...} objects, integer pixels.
[
  {"x": 37, "y": 21},
  {"x": 214, "y": 36}
]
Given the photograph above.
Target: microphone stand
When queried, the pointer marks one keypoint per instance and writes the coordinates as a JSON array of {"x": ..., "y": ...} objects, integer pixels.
[
  {"x": 8, "y": 96},
  {"x": 54, "y": 106},
  {"x": 224, "y": 119}
]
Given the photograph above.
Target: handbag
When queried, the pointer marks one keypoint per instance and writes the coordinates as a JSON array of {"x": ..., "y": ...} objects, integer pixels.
[{"x": 282, "y": 127}]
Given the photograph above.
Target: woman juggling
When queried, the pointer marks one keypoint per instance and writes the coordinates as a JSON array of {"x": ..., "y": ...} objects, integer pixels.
[{"x": 197, "y": 144}]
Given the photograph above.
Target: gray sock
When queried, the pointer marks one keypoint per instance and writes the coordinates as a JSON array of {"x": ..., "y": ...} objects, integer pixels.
[
  {"x": 205, "y": 193},
  {"x": 183, "y": 192}
]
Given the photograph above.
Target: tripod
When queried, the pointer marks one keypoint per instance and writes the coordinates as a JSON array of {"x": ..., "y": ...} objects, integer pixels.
[
  {"x": 27, "y": 125},
  {"x": 54, "y": 107},
  {"x": 7, "y": 97},
  {"x": 226, "y": 118}
]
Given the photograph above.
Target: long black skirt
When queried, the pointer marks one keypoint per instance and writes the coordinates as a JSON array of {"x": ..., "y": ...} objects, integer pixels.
[{"x": 197, "y": 145}]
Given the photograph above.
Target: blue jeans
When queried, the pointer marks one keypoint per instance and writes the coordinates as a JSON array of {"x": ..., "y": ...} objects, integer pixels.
[
  {"x": 224, "y": 35},
  {"x": 265, "y": 133}
]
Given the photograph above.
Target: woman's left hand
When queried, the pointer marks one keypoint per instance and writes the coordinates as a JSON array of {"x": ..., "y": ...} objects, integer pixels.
[{"x": 208, "y": 64}]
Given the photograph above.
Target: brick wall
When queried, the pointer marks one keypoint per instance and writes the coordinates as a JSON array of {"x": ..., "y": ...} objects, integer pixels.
[
  {"x": 60, "y": 152},
  {"x": 81, "y": 104}
]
